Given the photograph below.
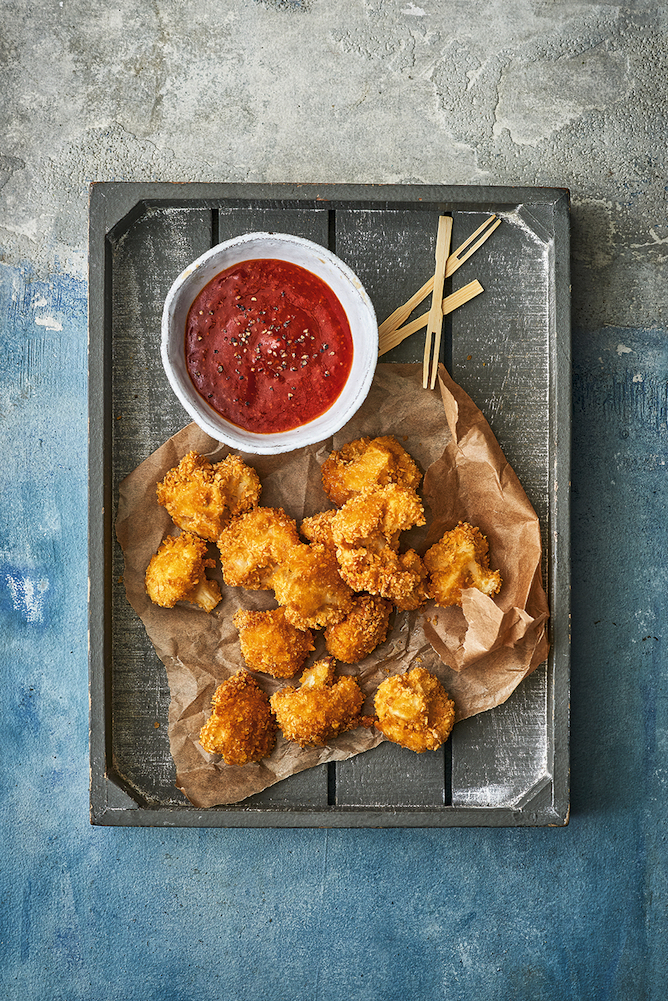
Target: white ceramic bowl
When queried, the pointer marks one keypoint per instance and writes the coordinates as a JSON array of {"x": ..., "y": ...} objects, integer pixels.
[{"x": 319, "y": 261}]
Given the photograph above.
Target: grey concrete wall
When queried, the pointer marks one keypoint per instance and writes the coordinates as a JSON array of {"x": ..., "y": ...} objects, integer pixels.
[{"x": 565, "y": 94}]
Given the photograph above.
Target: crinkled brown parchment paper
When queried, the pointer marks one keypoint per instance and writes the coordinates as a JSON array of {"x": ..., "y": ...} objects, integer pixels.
[{"x": 481, "y": 652}]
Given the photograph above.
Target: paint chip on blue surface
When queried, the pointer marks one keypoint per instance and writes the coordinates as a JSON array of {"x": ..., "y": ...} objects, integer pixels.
[
  {"x": 49, "y": 322},
  {"x": 28, "y": 595}
]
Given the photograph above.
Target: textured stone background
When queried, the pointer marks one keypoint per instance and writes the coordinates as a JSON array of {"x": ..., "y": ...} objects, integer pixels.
[{"x": 519, "y": 92}]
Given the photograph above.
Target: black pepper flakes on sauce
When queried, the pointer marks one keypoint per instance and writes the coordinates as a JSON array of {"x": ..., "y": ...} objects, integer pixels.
[{"x": 308, "y": 321}]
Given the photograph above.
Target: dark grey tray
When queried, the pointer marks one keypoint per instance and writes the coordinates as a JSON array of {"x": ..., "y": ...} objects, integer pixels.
[{"x": 509, "y": 349}]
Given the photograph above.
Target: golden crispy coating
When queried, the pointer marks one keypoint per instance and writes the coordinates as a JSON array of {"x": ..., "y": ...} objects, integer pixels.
[
  {"x": 410, "y": 588},
  {"x": 177, "y": 573},
  {"x": 201, "y": 497},
  {"x": 318, "y": 528},
  {"x": 366, "y": 533},
  {"x": 321, "y": 708},
  {"x": 367, "y": 462},
  {"x": 254, "y": 544},
  {"x": 242, "y": 727},
  {"x": 310, "y": 588},
  {"x": 270, "y": 643},
  {"x": 460, "y": 559},
  {"x": 414, "y": 710},
  {"x": 401, "y": 577},
  {"x": 375, "y": 513},
  {"x": 362, "y": 630}
]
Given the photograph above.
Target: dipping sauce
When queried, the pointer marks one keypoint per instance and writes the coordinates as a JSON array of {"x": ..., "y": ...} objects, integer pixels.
[{"x": 268, "y": 345}]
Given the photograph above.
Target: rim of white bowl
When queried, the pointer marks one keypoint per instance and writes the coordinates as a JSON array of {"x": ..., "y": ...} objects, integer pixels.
[{"x": 193, "y": 279}]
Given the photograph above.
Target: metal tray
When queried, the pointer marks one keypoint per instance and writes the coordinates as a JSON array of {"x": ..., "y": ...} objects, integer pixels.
[{"x": 508, "y": 348}]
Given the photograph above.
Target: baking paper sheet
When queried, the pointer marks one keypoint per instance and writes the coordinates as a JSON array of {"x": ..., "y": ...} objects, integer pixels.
[{"x": 481, "y": 652}]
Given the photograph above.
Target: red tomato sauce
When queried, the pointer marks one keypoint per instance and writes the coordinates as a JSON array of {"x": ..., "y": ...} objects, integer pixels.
[{"x": 268, "y": 345}]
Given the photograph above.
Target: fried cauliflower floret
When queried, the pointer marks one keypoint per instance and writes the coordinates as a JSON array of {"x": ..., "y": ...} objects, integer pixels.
[
  {"x": 271, "y": 644},
  {"x": 242, "y": 727},
  {"x": 321, "y": 708},
  {"x": 375, "y": 513},
  {"x": 362, "y": 630},
  {"x": 318, "y": 528},
  {"x": 177, "y": 573},
  {"x": 254, "y": 544},
  {"x": 414, "y": 710},
  {"x": 366, "y": 533},
  {"x": 401, "y": 577},
  {"x": 460, "y": 559},
  {"x": 201, "y": 497},
  {"x": 310, "y": 588},
  {"x": 367, "y": 462}
]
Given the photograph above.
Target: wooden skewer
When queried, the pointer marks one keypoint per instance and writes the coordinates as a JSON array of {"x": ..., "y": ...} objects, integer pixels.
[
  {"x": 395, "y": 319},
  {"x": 437, "y": 306},
  {"x": 450, "y": 303},
  {"x": 435, "y": 321},
  {"x": 455, "y": 261}
]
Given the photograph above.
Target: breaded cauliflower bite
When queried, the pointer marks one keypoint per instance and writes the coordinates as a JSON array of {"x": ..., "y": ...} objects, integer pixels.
[
  {"x": 362, "y": 630},
  {"x": 318, "y": 528},
  {"x": 377, "y": 513},
  {"x": 310, "y": 588},
  {"x": 242, "y": 726},
  {"x": 177, "y": 572},
  {"x": 410, "y": 588},
  {"x": 271, "y": 644},
  {"x": 367, "y": 462},
  {"x": 201, "y": 497},
  {"x": 253, "y": 545},
  {"x": 366, "y": 533},
  {"x": 414, "y": 710},
  {"x": 321, "y": 708},
  {"x": 460, "y": 559},
  {"x": 401, "y": 577}
]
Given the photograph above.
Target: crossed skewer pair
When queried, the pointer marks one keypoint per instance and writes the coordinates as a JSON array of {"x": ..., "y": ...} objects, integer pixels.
[{"x": 391, "y": 332}]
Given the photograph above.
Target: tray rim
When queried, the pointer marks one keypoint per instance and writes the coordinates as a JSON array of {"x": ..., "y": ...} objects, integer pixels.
[{"x": 113, "y": 204}]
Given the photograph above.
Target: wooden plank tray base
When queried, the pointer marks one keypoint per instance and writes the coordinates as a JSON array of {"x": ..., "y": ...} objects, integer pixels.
[{"x": 509, "y": 349}]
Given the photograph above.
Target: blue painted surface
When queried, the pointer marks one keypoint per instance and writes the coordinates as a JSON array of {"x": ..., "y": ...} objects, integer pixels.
[{"x": 181, "y": 915}]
